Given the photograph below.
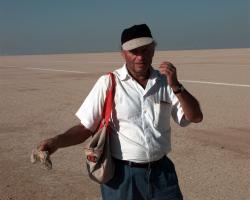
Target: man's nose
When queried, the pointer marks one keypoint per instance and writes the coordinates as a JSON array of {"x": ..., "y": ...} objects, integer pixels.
[{"x": 139, "y": 56}]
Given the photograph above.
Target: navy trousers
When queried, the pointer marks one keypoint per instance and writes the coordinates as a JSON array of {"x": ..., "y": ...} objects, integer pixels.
[{"x": 158, "y": 182}]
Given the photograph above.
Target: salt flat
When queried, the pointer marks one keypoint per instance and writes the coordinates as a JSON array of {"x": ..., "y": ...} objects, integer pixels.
[{"x": 41, "y": 93}]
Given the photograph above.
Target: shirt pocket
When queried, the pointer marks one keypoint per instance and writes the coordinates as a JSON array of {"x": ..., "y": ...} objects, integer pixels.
[{"x": 162, "y": 114}]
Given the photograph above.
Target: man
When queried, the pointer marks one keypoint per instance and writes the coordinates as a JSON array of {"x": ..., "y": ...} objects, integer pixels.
[{"x": 145, "y": 99}]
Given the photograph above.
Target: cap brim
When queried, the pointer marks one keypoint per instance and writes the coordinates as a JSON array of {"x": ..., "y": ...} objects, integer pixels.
[{"x": 137, "y": 42}]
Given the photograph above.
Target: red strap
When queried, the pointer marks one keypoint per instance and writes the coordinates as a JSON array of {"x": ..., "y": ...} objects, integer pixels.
[{"x": 108, "y": 103}]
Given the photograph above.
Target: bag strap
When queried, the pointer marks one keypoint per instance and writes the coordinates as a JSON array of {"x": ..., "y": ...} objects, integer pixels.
[{"x": 108, "y": 103}]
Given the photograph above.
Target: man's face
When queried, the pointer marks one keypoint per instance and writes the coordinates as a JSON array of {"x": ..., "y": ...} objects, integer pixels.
[{"x": 139, "y": 60}]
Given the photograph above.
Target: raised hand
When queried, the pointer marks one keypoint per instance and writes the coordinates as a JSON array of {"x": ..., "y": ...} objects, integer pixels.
[{"x": 168, "y": 69}]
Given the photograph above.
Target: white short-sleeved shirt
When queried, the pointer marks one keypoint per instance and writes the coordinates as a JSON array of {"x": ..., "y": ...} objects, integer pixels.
[{"x": 140, "y": 117}]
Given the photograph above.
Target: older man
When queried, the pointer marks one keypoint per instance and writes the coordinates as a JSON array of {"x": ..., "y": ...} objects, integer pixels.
[{"x": 145, "y": 100}]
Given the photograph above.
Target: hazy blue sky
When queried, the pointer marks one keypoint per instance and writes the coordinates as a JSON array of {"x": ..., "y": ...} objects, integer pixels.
[{"x": 67, "y": 26}]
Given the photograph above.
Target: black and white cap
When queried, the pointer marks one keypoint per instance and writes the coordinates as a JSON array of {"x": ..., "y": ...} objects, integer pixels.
[{"x": 136, "y": 36}]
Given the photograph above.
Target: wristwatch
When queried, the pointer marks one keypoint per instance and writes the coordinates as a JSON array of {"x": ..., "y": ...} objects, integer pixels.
[{"x": 179, "y": 89}]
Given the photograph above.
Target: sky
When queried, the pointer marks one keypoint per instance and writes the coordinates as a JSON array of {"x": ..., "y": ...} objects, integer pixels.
[{"x": 75, "y": 26}]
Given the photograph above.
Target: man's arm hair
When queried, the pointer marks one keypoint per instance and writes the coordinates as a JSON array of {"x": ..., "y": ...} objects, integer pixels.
[{"x": 75, "y": 135}]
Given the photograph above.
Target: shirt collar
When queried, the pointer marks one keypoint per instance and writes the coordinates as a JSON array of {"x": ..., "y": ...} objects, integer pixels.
[
  {"x": 154, "y": 74},
  {"x": 123, "y": 73}
]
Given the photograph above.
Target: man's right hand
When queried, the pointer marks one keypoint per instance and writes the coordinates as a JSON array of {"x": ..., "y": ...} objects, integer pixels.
[{"x": 49, "y": 145}]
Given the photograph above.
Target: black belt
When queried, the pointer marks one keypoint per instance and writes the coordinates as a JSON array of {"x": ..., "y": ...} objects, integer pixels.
[{"x": 140, "y": 165}]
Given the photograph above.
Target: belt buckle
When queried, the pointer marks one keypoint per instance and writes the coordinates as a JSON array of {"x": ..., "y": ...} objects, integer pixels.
[{"x": 130, "y": 164}]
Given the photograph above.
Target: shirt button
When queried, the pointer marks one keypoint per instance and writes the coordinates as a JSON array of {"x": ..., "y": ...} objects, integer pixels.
[{"x": 144, "y": 111}]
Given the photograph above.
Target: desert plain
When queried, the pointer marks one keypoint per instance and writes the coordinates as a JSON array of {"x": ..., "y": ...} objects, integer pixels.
[{"x": 41, "y": 93}]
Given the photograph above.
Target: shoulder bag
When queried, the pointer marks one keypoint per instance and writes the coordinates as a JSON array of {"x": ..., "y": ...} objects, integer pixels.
[{"x": 100, "y": 165}]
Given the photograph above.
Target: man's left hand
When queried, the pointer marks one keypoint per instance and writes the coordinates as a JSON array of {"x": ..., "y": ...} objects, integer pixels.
[{"x": 168, "y": 69}]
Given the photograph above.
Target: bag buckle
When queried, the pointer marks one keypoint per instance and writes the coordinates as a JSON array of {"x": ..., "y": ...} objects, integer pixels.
[{"x": 92, "y": 158}]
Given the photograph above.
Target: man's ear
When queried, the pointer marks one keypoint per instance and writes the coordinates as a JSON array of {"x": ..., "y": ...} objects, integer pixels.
[
  {"x": 154, "y": 46},
  {"x": 123, "y": 54}
]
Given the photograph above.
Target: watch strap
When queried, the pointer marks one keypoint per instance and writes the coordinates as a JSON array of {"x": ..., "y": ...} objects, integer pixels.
[{"x": 179, "y": 90}]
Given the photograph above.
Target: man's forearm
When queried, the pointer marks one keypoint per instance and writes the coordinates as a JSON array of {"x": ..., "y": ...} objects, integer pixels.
[
  {"x": 75, "y": 135},
  {"x": 190, "y": 107}
]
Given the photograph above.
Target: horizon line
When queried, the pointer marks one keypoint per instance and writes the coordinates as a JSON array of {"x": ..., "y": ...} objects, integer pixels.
[{"x": 117, "y": 51}]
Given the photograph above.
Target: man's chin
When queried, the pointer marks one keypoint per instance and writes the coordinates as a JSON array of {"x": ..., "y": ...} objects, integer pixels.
[
  {"x": 141, "y": 69},
  {"x": 141, "y": 66}
]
